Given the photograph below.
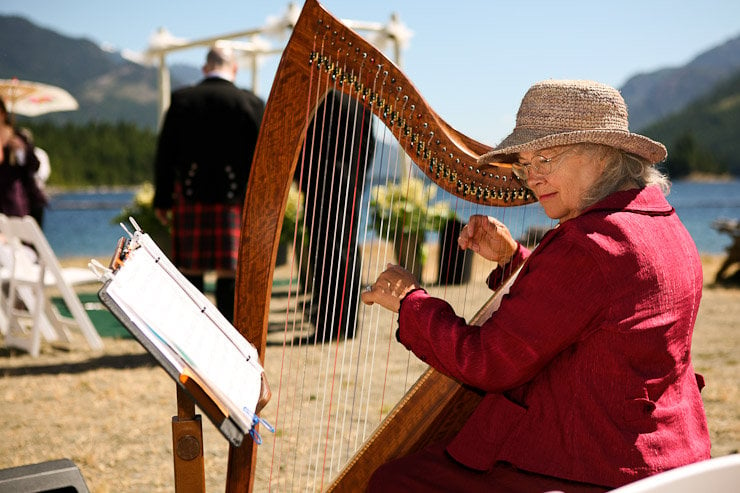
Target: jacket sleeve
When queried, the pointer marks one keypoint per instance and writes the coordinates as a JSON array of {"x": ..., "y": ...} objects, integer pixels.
[
  {"x": 502, "y": 272},
  {"x": 555, "y": 301},
  {"x": 165, "y": 162}
]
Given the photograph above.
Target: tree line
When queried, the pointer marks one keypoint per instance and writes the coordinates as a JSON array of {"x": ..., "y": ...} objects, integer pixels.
[
  {"x": 96, "y": 154},
  {"x": 122, "y": 154},
  {"x": 703, "y": 137}
]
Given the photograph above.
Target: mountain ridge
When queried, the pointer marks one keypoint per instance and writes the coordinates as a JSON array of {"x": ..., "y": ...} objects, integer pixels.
[
  {"x": 653, "y": 95},
  {"x": 108, "y": 87},
  {"x": 112, "y": 88},
  {"x": 665, "y": 104}
]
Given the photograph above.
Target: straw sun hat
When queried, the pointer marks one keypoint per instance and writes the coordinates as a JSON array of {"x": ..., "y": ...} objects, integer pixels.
[{"x": 563, "y": 112}]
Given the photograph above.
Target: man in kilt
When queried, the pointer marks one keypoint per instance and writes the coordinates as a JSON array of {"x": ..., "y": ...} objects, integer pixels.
[{"x": 202, "y": 164}]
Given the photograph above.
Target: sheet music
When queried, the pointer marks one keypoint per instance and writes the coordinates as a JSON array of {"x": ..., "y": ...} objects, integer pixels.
[{"x": 188, "y": 329}]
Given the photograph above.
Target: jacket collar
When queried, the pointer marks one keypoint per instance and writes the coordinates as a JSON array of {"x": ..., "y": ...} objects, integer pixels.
[
  {"x": 215, "y": 79},
  {"x": 649, "y": 200}
]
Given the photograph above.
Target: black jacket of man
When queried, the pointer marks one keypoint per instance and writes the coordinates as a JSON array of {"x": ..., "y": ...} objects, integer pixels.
[{"x": 206, "y": 143}]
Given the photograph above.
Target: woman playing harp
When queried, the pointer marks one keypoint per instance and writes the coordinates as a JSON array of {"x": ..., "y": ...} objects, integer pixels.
[{"x": 586, "y": 365}]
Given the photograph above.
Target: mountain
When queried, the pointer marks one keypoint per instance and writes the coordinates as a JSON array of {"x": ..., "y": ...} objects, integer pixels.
[
  {"x": 108, "y": 87},
  {"x": 654, "y": 95},
  {"x": 694, "y": 105},
  {"x": 703, "y": 136}
]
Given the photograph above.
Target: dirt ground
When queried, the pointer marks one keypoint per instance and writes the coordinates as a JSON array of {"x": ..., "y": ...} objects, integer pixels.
[{"x": 111, "y": 412}]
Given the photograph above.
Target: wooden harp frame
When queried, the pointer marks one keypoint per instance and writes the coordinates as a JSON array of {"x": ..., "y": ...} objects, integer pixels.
[{"x": 445, "y": 155}]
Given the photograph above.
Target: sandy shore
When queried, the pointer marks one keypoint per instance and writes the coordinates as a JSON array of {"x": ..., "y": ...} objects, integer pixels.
[{"x": 110, "y": 412}]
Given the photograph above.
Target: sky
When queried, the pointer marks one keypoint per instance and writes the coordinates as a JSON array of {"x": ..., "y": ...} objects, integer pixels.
[{"x": 471, "y": 60}]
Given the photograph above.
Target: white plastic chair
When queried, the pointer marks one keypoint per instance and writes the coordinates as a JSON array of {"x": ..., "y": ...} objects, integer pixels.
[
  {"x": 28, "y": 267},
  {"x": 718, "y": 475}
]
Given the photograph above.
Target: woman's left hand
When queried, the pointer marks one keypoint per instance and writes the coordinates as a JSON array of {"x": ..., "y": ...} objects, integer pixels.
[{"x": 390, "y": 288}]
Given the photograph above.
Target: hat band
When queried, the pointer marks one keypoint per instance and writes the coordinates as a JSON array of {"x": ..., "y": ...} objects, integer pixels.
[{"x": 523, "y": 139}]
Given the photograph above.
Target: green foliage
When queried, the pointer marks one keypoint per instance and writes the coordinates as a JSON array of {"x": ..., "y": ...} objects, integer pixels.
[
  {"x": 405, "y": 207},
  {"x": 402, "y": 212},
  {"x": 688, "y": 156},
  {"x": 293, "y": 214},
  {"x": 703, "y": 137},
  {"x": 141, "y": 210},
  {"x": 96, "y": 154}
]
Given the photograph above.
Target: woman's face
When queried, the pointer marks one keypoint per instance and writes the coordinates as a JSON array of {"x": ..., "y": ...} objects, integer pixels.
[{"x": 573, "y": 173}]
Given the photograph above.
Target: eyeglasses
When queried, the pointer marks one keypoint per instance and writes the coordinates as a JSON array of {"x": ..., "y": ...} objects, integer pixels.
[{"x": 539, "y": 165}]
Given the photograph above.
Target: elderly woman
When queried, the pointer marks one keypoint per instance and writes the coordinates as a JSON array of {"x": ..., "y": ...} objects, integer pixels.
[{"x": 586, "y": 365}]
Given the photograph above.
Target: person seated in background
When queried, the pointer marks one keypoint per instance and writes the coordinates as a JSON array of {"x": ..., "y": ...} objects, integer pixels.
[{"x": 586, "y": 366}]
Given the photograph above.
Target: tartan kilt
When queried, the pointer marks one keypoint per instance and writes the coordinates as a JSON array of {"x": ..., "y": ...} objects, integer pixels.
[{"x": 206, "y": 236}]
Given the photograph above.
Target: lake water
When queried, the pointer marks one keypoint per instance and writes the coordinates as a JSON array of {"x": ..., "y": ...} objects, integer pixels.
[{"x": 79, "y": 224}]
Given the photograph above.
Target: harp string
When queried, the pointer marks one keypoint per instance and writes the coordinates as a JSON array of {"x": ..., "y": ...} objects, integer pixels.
[
  {"x": 289, "y": 333},
  {"x": 355, "y": 231},
  {"x": 328, "y": 124},
  {"x": 347, "y": 261},
  {"x": 336, "y": 392},
  {"x": 316, "y": 197},
  {"x": 393, "y": 166}
]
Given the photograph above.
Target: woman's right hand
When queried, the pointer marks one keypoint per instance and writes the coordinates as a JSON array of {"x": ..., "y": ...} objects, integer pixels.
[{"x": 489, "y": 238}]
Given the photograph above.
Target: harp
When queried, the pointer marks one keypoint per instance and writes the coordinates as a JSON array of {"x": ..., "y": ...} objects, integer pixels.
[{"x": 324, "y": 56}]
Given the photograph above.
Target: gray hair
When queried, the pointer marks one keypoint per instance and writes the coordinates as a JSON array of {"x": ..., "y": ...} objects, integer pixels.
[{"x": 623, "y": 170}]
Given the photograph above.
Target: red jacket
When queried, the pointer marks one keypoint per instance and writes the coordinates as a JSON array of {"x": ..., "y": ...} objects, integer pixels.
[{"x": 586, "y": 364}]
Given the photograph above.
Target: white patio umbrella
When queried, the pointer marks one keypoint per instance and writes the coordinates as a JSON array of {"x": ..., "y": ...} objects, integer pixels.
[{"x": 34, "y": 98}]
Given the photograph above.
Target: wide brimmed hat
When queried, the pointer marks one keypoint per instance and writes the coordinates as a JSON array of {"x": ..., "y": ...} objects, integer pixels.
[{"x": 563, "y": 112}]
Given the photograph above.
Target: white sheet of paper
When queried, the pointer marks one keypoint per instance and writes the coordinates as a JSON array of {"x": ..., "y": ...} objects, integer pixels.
[{"x": 188, "y": 328}]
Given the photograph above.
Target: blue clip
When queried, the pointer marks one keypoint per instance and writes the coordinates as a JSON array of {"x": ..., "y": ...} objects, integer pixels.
[
  {"x": 255, "y": 436},
  {"x": 254, "y": 433}
]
